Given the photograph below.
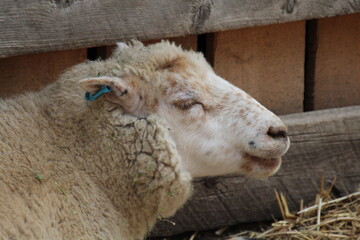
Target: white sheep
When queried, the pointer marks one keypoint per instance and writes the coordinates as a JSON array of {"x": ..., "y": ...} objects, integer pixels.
[{"x": 72, "y": 169}]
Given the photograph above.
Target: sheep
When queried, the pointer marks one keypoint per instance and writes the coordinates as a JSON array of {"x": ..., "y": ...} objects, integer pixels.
[{"x": 109, "y": 168}]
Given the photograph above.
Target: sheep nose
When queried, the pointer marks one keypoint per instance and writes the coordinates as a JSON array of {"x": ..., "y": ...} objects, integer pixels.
[{"x": 277, "y": 132}]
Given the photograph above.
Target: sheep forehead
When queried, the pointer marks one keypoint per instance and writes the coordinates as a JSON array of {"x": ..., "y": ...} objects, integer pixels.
[
  {"x": 154, "y": 56},
  {"x": 139, "y": 55},
  {"x": 183, "y": 71},
  {"x": 204, "y": 85}
]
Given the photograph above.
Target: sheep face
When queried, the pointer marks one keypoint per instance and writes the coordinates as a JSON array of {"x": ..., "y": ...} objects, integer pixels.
[{"x": 217, "y": 127}]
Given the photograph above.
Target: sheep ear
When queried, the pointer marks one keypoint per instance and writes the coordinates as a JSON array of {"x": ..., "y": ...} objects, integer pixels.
[
  {"x": 94, "y": 84},
  {"x": 121, "y": 46},
  {"x": 120, "y": 92}
]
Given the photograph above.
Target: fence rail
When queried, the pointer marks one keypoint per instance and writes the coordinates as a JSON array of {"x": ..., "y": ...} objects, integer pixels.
[{"x": 44, "y": 25}]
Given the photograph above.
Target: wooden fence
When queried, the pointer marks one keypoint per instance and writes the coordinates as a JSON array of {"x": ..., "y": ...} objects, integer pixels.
[{"x": 292, "y": 56}]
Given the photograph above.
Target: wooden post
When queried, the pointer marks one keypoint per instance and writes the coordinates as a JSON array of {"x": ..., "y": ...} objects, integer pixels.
[
  {"x": 267, "y": 62},
  {"x": 337, "y": 62}
]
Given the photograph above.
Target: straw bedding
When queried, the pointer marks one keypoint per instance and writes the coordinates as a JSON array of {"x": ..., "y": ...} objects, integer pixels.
[{"x": 328, "y": 218}]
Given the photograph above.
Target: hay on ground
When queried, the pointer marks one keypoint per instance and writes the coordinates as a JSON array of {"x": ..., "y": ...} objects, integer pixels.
[{"x": 328, "y": 218}]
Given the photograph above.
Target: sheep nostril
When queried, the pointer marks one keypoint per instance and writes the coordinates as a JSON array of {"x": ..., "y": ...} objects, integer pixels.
[{"x": 277, "y": 132}]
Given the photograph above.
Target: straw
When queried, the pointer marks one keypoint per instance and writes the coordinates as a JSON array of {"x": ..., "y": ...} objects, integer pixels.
[{"x": 325, "y": 219}]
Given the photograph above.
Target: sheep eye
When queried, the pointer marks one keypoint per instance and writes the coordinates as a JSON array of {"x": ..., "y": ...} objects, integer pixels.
[{"x": 186, "y": 105}]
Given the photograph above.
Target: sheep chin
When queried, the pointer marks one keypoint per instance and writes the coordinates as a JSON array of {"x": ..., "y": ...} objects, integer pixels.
[{"x": 258, "y": 167}]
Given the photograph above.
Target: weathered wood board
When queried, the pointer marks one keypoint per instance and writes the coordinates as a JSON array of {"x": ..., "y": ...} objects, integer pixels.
[
  {"x": 324, "y": 143},
  {"x": 32, "y": 72},
  {"x": 267, "y": 62},
  {"x": 43, "y": 25},
  {"x": 337, "y": 62}
]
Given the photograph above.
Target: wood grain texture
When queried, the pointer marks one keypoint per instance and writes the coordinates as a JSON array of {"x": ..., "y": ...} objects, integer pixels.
[
  {"x": 46, "y": 25},
  {"x": 337, "y": 66},
  {"x": 32, "y": 72},
  {"x": 323, "y": 142},
  {"x": 267, "y": 62}
]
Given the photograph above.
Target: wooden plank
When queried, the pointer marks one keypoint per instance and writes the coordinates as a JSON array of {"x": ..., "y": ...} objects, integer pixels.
[
  {"x": 187, "y": 42},
  {"x": 32, "y": 72},
  {"x": 324, "y": 143},
  {"x": 43, "y": 25},
  {"x": 267, "y": 62},
  {"x": 337, "y": 62}
]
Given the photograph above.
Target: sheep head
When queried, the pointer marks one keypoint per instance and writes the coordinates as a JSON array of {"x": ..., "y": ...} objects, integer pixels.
[{"x": 218, "y": 128}]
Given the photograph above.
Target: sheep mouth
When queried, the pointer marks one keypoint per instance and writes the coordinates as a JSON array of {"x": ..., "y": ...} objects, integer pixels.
[
  {"x": 255, "y": 166},
  {"x": 261, "y": 160}
]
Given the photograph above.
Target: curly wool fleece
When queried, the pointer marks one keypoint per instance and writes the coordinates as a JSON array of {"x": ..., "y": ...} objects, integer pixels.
[{"x": 76, "y": 170}]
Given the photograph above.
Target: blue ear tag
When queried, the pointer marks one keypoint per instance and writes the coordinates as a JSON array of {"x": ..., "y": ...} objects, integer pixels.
[{"x": 94, "y": 96}]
